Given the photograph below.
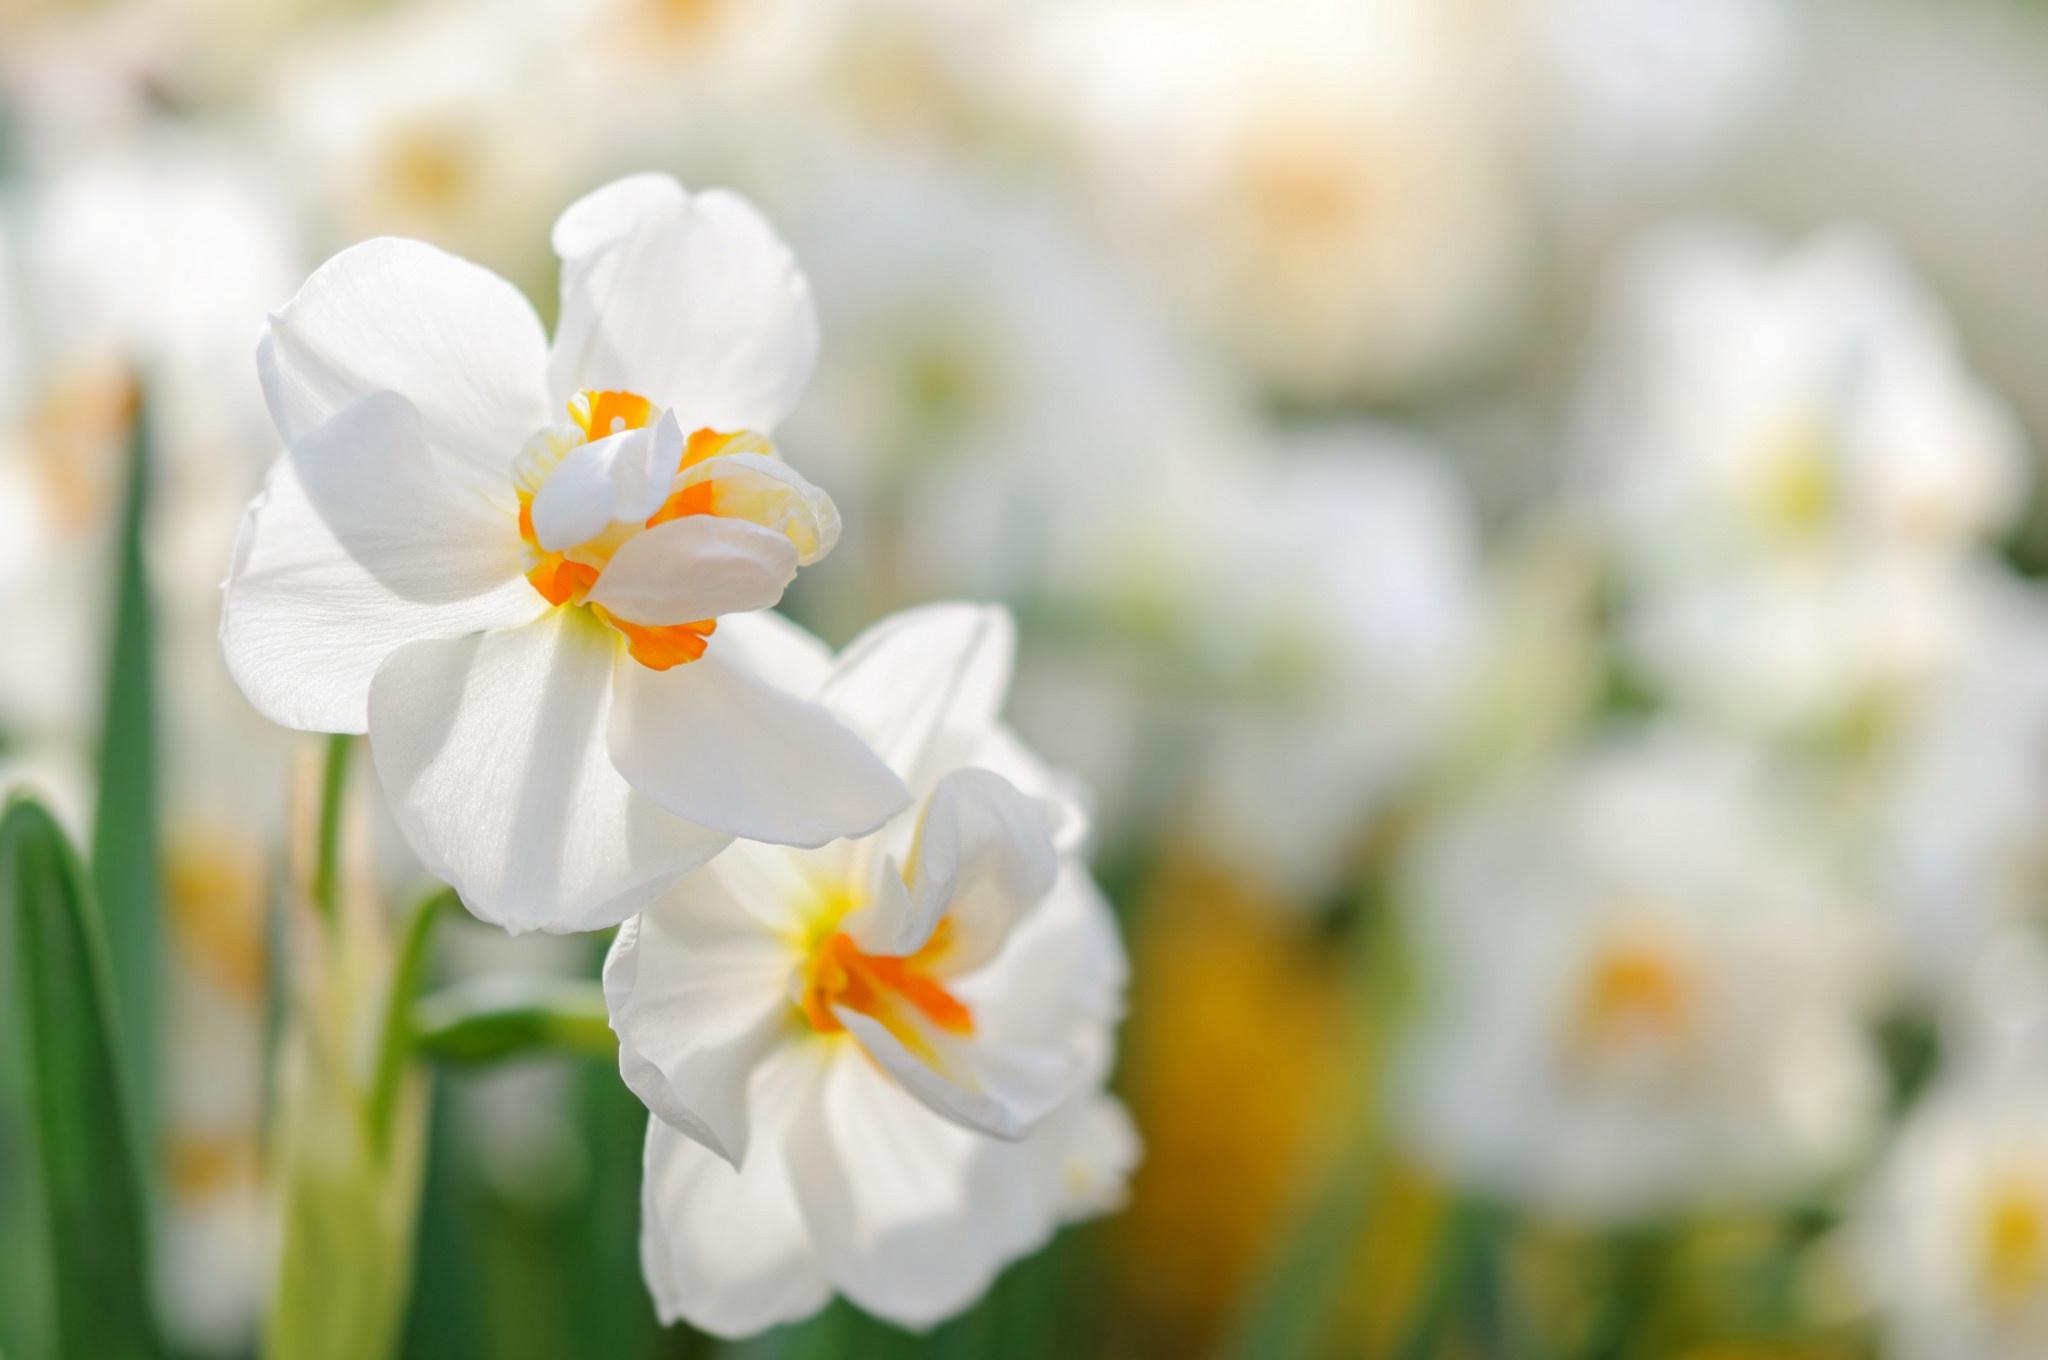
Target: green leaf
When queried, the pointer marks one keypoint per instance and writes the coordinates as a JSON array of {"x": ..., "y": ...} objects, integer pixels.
[
  {"x": 96, "y": 1246},
  {"x": 125, "y": 858},
  {"x": 495, "y": 1018},
  {"x": 348, "y": 1210},
  {"x": 1290, "y": 1303},
  {"x": 394, "y": 1044}
]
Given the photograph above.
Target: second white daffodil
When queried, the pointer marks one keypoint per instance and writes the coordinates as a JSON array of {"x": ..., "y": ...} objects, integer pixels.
[
  {"x": 524, "y": 570},
  {"x": 878, "y": 1067}
]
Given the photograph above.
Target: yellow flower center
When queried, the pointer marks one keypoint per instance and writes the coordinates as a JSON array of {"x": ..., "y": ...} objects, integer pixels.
[
  {"x": 1636, "y": 990},
  {"x": 566, "y": 577},
  {"x": 428, "y": 169},
  {"x": 215, "y": 886},
  {"x": 899, "y": 993},
  {"x": 2013, "y": 1241},
  {"x": 1304, "y": 187},
  {"x": 1794, "y": 491}
]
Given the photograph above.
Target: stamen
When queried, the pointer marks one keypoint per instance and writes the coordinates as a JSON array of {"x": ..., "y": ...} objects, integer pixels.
[{"x": 884, "y": 987}]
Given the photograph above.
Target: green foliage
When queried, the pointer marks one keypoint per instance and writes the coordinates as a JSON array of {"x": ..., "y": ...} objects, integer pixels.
[
  {"x": 84, "y": 1163},
  {"x": 346, "y": 1260},
  {"x": 493, "y": 1019},
  {"x": 349, "y": 1188},
  {"x": 352, "y": 1126},
  {"x": 125, "y": 854},
  {"x": 1286, "y": 1311}
]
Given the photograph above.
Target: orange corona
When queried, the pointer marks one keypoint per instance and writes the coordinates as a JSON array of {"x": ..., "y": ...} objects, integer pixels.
[
  {"x": 566, "y": 578},
  {"x": 883, "y": 987},
  {"x": 1635, "y": 990}
]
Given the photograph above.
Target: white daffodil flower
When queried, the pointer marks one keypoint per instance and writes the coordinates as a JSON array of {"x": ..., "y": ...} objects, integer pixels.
[
  {"x": 877, "y": 1067},
  {"x": 1312, "y": 184},
  {"x": 1962, "y": 1213},
  {"x": 1643, "y": 994},
  {"x": 1798, "y": 466},
  {"x": 1758, "y": 403},
  {"x": 520, "y": 610},
  {"x": 1343, "y": 608},
  {"x": 1952, "y": 1235},
  {"x": 1956, "y": 835}
]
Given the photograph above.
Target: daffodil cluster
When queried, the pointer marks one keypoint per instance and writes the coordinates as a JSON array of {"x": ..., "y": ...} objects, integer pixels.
[
  {"x": 1510, "y": 534},
  {"x": 861, "y": 978}
]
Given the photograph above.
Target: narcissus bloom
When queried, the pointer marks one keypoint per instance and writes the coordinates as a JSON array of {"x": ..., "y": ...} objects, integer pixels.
[
  {"x": 509, "y": 563},
  {"x": 1952, "y": 1236},
  {"x": 877, "y": 1067},
  {"x": 1645, "y": 992},
  {"x": 1799, "y": 469}
]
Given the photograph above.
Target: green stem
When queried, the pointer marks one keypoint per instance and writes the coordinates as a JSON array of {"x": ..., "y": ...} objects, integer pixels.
[
  {"x": 394, "y": 1046},
  {"x": 494, "y": 1019},
  {"x": 1498, "y": 1328},
  {"x": 327, "y": 856},
  {"x": 1450, "y": 1275},
  {"x": 1636, "y": 1261}
]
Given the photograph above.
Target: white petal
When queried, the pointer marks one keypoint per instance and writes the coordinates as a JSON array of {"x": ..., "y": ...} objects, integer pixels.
[
  {"x": 1002, "y": 750},
  {"x": 985, "y": 850},
  {"x": 912, "y": 1216},
  {"x": 574, "y": 505},
  {"x": 692, "y": 302},
  {"x": 586, "y": 237},
  {"x": 719, "y": 747},
  {"x": 460, "y": 343},
  {"x": 1058, "y": 982},
  {"x": 768, "y": 491},
  {"x": 605, "y": 216},
  {"x": 922, "y": 675},
  {"x": 778, "y": 885},
  {"x": 698, "y": 992},
  {"x": 982, "y": 859},
  {"x": 769, "y": 646},
  {"x": 491, "y": 751},
  {"x": 696, "y": 567},
  {"x": 1086, "y": 1151},
  {"x": 728, "y": 1250},
  {"x": 992, "y": 1090},
  {"x": 623, "y": 477},
  {"x": 355, "y": 547}
]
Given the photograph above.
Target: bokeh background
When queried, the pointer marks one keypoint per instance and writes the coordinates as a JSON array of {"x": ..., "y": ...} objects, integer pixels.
[{"x": 1526, "y": 513}]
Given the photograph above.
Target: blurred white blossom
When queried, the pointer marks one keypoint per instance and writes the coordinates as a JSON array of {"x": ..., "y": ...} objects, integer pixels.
[
  {"x": 1339, "y": 600},
  {"x": 995, "y": 409},
  {"x": 1321, "y": 188},
  {"x": 1952, "y": 1232},
  {"x": 1644, "y": 990},
  {"x": 446, "y": 122},
  {"x": 1797, "y": 465},
  {"x": 1958, "y": 831}
]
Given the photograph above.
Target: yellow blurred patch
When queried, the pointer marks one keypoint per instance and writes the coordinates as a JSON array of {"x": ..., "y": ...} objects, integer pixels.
[{"x": 1234, "y": 1059}]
